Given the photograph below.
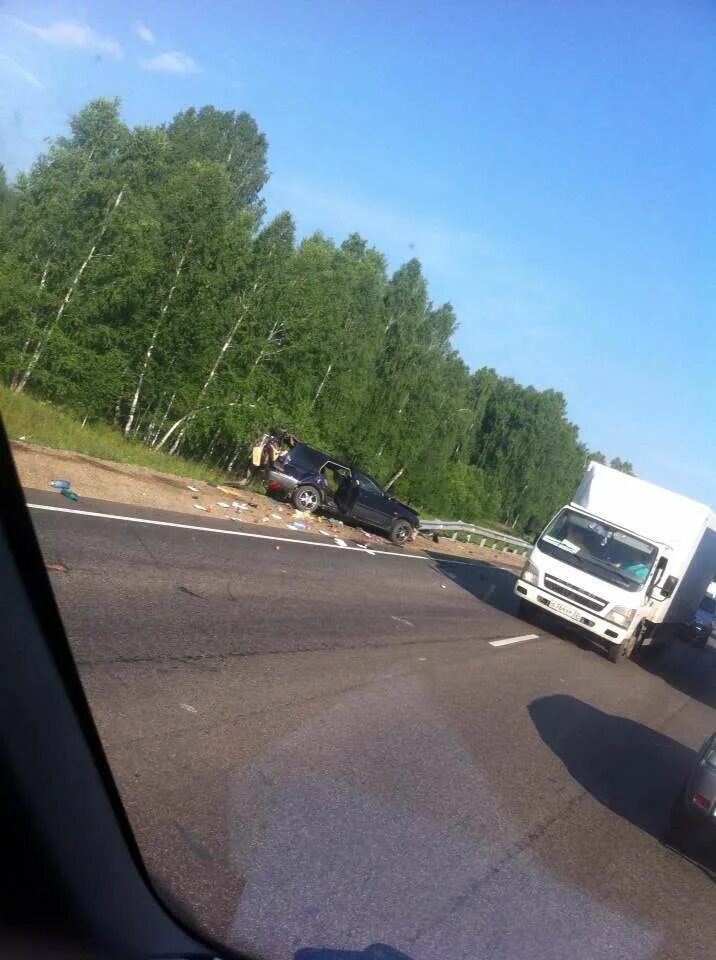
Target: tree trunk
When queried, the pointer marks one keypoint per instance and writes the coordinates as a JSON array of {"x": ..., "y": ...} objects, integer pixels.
[
  {"x": 155, "y": 333},
  {"x": 322, "y": 384},
  {"x": 42, "y": 343},
  {"x": 395, "y": 478},
  {"x": 162, "y": 422},
  {"x": 26, "y": 344}
]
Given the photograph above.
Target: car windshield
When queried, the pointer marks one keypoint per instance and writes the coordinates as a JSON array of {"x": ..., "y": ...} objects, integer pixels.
[{"x": 595, "y": 546}]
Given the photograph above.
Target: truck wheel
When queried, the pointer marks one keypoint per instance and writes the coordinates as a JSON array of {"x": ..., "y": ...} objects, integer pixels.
[
  {"x": 306, "y": 498},
  {"x": 401, "y": 532},
  {"x": 615, "y": 652}
]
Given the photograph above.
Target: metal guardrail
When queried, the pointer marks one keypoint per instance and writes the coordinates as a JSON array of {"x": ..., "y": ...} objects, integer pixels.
[{"x": 433, "y": 526}]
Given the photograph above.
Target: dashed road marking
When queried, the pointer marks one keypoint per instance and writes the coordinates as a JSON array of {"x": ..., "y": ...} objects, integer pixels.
[{"x": 508, "y": 640}]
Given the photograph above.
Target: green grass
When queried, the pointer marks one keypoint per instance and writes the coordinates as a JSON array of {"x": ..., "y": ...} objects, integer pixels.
[{"x": 51, "y": 426}]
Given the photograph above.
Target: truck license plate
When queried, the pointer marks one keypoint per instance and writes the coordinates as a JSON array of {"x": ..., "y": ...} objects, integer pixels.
[{"x": 564, "y": 608}]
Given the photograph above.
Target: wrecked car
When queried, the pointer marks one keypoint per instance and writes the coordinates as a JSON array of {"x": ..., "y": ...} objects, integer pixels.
[{"x": 311, "y": 480}]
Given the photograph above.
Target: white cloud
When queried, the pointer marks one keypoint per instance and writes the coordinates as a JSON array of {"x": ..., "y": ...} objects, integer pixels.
[
  {"x": 173, "y": 62},
  {"x": 144, "y": 33},
  {"x": 16, "y": 69},
  {"x": 71, "y": 35}
]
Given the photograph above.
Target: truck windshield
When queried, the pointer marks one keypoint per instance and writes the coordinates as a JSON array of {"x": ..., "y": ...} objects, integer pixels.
[{"x": 602, "y": 550}]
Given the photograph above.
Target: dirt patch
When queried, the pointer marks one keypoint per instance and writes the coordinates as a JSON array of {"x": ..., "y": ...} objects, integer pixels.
[{"x": 140, "y": 486}]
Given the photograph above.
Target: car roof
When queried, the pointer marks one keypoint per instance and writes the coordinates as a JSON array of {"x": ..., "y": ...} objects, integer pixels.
[{"x": 321, "y": 454}]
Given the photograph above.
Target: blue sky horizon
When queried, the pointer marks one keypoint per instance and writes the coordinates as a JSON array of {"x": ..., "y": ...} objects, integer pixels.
[{"x": 551, "y": 166}]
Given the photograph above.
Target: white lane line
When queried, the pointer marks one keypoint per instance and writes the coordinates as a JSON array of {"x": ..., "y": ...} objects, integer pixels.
[
  {"x": 507, "y": 640},
  {"x": 228, "y": 533}
]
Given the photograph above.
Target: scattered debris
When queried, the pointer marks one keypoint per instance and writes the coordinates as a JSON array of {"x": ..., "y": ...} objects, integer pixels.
[
  {"x": 422, "y": 658},
  {"x": 193, "y": 489},
  {"x": 341, "y": 543},
  {"x": 56, "y": 567},
  {"x": 188, "y": 707},
  {"x": 237, "y": 505},
  {"x": 23, "y": 437},
  {"x": 364, "y": 547},
  {"x": 60, "y": 484},
  {"x": 276, "y": 516},
  {"x": 264, "y": 519},
  {"x": 299, "y": 525},
  {"x": 70, "y": 494},
  {"x": 200, "y": 506},
  {"x": 227, "y": 490},
  {"x": 278, "y": 547},
  {"x": 443, "y": 586},
  {"x": 325, "y": 533},
  {"x": 402, "y": 620},
  {"x": 223, "y": 504}
]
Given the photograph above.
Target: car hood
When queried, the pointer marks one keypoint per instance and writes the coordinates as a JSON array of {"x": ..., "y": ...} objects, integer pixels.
[{"x": 399, "y": 503}]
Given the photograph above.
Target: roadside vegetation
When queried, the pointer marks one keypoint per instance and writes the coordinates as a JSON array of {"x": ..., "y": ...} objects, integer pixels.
[
  {"x": 40, "y": 422},
  {"x": 143, "y": 288}
]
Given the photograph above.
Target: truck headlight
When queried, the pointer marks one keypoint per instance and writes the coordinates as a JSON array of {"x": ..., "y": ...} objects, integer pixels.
[
  {"x": 530, "y": 573},
  {"x": 622, "y": 616}
]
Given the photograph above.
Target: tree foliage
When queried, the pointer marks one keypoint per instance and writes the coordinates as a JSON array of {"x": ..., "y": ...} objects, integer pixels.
[{"x": 140, "y": 284}]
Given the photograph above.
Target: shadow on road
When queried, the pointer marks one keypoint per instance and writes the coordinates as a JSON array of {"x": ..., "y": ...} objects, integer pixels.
[
  {"x": 633, "y": 770},
  {"x": 377, "y": 951},
  {"x": 687, "y": 669},
  {"x": 488, "y": 583},
  {"x": 495, "y": 586}
]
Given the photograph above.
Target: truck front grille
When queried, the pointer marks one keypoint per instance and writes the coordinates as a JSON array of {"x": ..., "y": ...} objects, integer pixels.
[{"x": 577, "y": 595}]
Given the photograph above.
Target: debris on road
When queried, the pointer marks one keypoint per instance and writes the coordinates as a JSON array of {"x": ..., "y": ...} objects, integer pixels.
[
  {"x": 120, "y": 483},
  {"x": 341, "y": 543},
  {"x": 188, "y": 707},
  {"x": 200, "y": 506},
  {"x": 223, "y": 504},
  {"x": 70, "y": 494}
]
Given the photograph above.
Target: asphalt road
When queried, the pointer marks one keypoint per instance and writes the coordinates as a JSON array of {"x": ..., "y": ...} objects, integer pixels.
[{"x": 324, "y": 747}]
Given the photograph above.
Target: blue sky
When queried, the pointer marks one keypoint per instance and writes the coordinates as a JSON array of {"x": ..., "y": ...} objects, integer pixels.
[{"x": 553, "y": 166}]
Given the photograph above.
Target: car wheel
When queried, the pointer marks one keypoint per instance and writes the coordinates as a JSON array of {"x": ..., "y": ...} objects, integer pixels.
[
  {"x": 401, "y": 532},
  {"x": 306, "y": 498}
]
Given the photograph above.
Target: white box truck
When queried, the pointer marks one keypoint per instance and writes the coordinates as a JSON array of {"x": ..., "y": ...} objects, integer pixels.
[{"x": 625, "y": 562}]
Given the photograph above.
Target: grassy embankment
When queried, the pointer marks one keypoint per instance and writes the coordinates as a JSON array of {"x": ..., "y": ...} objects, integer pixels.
[{"x": 50, "y": 426}]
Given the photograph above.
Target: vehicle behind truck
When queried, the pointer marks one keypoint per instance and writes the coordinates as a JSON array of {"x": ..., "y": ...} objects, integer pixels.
[{"x": 626, "y": 562}]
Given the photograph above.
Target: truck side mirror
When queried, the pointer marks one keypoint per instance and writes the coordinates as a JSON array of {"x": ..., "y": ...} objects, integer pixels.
[{"x": 668, "y": 586}]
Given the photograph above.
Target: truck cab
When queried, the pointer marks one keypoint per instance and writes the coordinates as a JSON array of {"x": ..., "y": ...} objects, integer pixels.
[
  {"x": 626, "y": 561},
  {"x": 605, "y": 579}
]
